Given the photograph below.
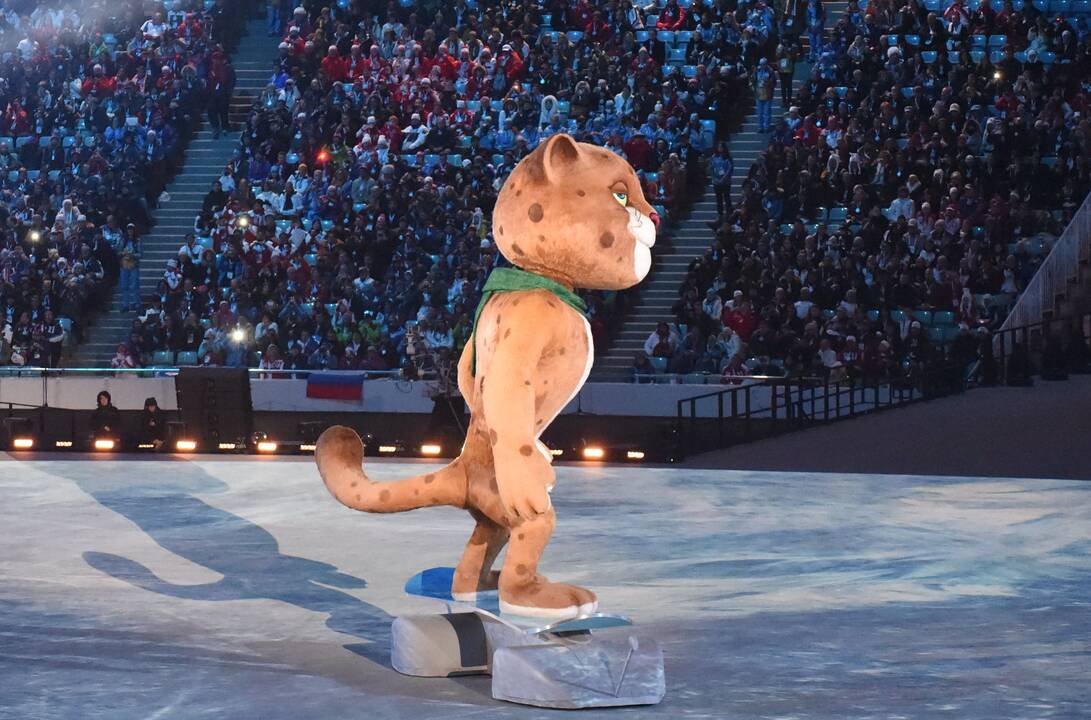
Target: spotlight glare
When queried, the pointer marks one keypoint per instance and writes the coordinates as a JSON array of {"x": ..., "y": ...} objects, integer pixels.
[
  {"x": 635, "y": 454},
  {"x": 307, "y": 447},
  {"x": 35, "y": 236},
  {"x": 267, "y": 446},
  {"x": 104, "y": 444},
  {"x": 227, "y": 446},
  {"x": 430, "y": 449},
  {"x": 593, "y": 452},
  {"x": 185, "y": 445},
  {"x": 388, "y": 449},
  {"x": 238, "y": 335},
  {"x": 146, "y": 446},
  {"x": 244, "y": 220},
  {"x": 556, "y": 452},
  {"x": 22, "y": 443},
  {"x": 63, "y": 444}
]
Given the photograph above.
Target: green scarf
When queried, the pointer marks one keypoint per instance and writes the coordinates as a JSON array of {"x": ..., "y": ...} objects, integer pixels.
[{"x": 510, "y": 279}]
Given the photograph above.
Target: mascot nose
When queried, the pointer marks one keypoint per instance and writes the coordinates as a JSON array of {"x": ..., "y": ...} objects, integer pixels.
[{"x": 654, "y": 216}]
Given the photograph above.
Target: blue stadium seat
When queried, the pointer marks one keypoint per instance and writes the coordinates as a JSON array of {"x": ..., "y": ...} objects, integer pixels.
[
  {"x": 34, "y": 174},
  {"x": 1081, "y": 7},
  {"x": 930, "y": 56},
  {"x": 310, "y": 258},
  {"x": 892, "y": 39},
  {"x": 913, "y": 40},
  {"x": 976, "y": 56},
  {"x": 907, "y": 92},
  {"x": 306, "y": 308},
  {"x": 186, "y": 357},
  {"x": 838, "y": 214},
  {"x": 996, "y": 56},
  {"x": 24, "y": 140},
  {"x": 978, "y": 41},
  {"x": 574, "y": 36},
  {"x": 564, "y": 107},
  {"x": 162, "y": 358},
  {"x": 689, "y": 71},
  {"x": 454, "y": 160},
  {"x": 1048, "y": 57},
  {"x": 13, "y": 175},
  {"x": 998, "y": 41},
  {"x": 205, "y": 242},
  {"x": 1060, "y": 7},
  {"x": 828, "y": 314},
  {"x": 665, "y": 36},
  {"x": 659, "y": 363},
  {"x": 473, "y": 105},
  {"x": 327, "y": 225},
  {"x": 69, "y": 141},
  {"x": 54, "y": 175},
  {"x": 1021, "y": 56},
  {"x": 642, "y": 36},
  {"x": 547, "y": 20},
  {"x": 676, "y": 55},
  {"x": 936, "y": 335},
  {"x": 873, "y": 316},
  {"x": 943, "y": 318},
  {"x": 925, "y": 316},
  {"x": 10, "y": 142},
  {"x": 683, "y": 37},
  {"x": 897, "y": 316},
  {"x": 953, "y": 57}
]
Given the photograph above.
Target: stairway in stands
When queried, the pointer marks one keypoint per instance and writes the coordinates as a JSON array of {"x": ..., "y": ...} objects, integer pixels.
[
  {"x": 204, "y": 162},
  {"x": 691, "y": 237}
]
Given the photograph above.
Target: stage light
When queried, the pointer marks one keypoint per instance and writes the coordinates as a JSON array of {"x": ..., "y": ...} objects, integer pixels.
[
  {"x": 556, "y": 452},
  {"x": 34, "y": 236},
  {"x": 593, "y": 453},
  {"x": 388, "y": 449},
  {"x": 430, "y": 449},
  {"x": 238, "y": 335},
  {"x": 22, "y": 443},
  {"x": 63, "y": 444},
  {"x": 635, "y": 454},
  {"x": 185, "y": 445},
  {"x": 307, "y": 447},
  {"x": 105, "y": 444},
  {"x": 227, "y": 446},
  {"x": 997, "y": 75},
  {"x": 244, "y": 221},
  {"x": 146, "y": 446},
  {"x": 323, "y": 156},
  {"x": 267, "y": 446}
]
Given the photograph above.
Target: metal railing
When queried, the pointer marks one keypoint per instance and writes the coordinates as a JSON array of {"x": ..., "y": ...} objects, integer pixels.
[
  {"x": 1061, "y": 266},
  {"x": 1032, "y": 337},
  {"x": 759, "y": 410}
]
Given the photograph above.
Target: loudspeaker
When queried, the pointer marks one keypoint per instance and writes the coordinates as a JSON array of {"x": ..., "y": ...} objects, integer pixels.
[{"x": 215, "y": 404}]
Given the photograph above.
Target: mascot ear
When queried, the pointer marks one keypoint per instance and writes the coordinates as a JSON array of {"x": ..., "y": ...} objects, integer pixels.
[{"x": 561, "y": 154}]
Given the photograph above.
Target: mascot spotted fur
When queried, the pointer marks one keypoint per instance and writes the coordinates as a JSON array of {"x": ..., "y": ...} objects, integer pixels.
[{"x": 571, "y": 215}]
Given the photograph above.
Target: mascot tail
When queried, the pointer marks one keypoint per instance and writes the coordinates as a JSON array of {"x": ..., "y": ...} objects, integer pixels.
[{"x": 340, "y": 455}]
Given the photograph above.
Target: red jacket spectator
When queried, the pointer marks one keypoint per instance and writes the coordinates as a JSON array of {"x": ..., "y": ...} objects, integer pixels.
[
  {"x": 639, "y": 152},
  {"x": 673, "y": 17},
  {"x": 335, "y": 67},
  {"x": 741, "y": 320}
]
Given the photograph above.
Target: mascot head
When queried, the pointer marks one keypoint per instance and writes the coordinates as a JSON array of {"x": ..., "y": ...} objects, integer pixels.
[{"x": 576, "y": 213}]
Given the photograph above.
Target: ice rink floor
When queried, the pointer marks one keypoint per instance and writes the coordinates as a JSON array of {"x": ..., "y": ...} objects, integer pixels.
[{"x": 240, "y": 589}]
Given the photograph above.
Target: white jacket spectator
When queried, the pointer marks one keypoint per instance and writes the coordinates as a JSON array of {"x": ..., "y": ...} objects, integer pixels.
[
  {"x": 414, "y": 134},
  {"x": 901, "y": 206}
]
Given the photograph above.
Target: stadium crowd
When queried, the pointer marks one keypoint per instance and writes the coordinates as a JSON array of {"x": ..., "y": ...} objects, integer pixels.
[
  {"x": 353, "y": 231},
  {"x": 904, "y": 200},
  {"x": 97, "y": 100}
]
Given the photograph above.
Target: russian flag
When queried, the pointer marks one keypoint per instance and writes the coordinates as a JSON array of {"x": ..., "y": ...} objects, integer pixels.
[{"x": 335, "y": 386}]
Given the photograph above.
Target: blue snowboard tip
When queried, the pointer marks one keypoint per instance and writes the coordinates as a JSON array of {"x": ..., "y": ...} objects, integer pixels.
[{"x": 432, "y": 583}]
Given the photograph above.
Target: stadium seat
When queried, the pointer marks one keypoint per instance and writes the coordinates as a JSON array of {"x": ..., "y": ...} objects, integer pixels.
[
  {"x": 547, "y": 20},
  {"x": 976, "y": 56},
  {"x": 1081, "y": 7},
  {"x": 69, "y": 141},
  {"x": 564, "y": 107},
  {"x": 683, "y": 37},
  {"x": 695, "y": 379},
  {"x": 930, "y": 56},
  {"x": 1060, "y": 7},
  {"x": 34, "y": 174},
  {"x": 689, "y": 71},
  {"x": 54, "y": 175},
  {"x": 20, "y": 142},
  {"x": 828, "y": 314},
  {"x": 187, "y": 357},
  {"x": 665, "y": 36},
  {"x": 897, "y": 316},
  {"x": 837, "y": 214},
  {"x": 676, "y": 55},
  {"x": 953, "y": 57},
  {"x": 497, "y": 159},
  {"x": 574, "y": 36},
  {"x": 924, "y": 316},
  {"x": 892, "y": 39},
  {"x": 205, "y": 242},
  {"x": 913, "y": 40},
  {"x": 7, "y": 140},
  {"x": 978, "y": 41},
  {"x": 307, "y": 308},
  {"x": 1048, "y": 57},
  {"x": 998, "y": 41},
  {"x": 454, "y": 160},
  {"x": 659, "y": 363},
  {"x": 936, "y": 335},
  {"x": 907, "y": 92},
  {"x": 642, "y": 36},
  {"x": 162, "y": 358},
  {"x": 996, "y": 56},
  {"x": 873, "y": 316},
  {"x": 473, "y": 105},
  {"x": 943, "y": 318}
]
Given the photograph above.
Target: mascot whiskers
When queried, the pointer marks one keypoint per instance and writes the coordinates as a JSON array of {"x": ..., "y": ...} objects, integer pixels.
[{"x": 571, "y": 215}]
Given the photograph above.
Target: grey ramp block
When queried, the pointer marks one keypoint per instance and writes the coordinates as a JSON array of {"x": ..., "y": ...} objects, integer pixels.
[
  {"x": 582, "y": 674},
  {"x": 439, "y": 645}
]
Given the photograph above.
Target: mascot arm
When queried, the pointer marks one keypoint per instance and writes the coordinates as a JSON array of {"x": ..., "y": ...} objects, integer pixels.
[{"x": 523, "y": 474}]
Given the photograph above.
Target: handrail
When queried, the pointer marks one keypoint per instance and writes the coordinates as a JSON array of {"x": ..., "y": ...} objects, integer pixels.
[{"x": 1060, "y": 266}]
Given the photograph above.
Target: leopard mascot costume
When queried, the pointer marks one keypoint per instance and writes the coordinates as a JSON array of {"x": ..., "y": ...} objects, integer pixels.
[{"x": 571, "y": 215}]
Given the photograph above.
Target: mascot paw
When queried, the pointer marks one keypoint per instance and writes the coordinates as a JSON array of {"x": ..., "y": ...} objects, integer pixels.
[
  {"x": 540, "y": 598},
  {"x": 468, "y": 588}
]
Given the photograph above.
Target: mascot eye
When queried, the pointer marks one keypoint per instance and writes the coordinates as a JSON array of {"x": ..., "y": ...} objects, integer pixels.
[{"x": 622, "y": 198}]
